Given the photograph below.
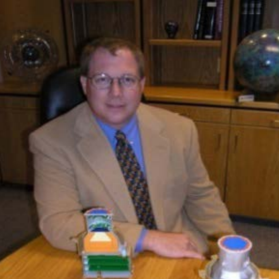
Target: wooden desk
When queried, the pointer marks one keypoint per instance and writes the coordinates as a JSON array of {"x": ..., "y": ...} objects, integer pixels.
[{"x": 38, "y": 260}]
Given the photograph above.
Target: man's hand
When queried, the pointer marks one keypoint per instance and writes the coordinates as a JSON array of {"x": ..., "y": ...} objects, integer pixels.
[{"x": 172, "y": 245}]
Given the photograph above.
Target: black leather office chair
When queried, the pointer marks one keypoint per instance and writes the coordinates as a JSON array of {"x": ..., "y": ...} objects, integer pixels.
[{"x": 61, "y": 91}]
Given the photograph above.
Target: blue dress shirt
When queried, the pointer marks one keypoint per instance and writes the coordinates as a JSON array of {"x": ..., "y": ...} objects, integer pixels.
[{"x": 131, "y": 130}]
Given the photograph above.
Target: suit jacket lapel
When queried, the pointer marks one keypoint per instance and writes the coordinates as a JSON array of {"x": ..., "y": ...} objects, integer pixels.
[
  {"x": 156, "y": 151},
  {"x": 96, "y": 150}
]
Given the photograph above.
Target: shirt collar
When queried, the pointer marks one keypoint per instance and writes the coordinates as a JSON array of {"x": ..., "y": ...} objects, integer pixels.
[{"x": 128, "y": 129}]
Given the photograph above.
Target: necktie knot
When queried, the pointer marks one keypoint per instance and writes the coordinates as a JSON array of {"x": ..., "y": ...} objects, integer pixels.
[{"x": 120, "y": 135}]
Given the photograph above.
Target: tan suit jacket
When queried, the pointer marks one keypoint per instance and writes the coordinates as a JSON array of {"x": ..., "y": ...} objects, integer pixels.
[{"x": 75, "y": 169}]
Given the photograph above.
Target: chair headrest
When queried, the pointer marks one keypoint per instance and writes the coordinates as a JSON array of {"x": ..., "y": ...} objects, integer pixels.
[{"x": 60, "y": 92}]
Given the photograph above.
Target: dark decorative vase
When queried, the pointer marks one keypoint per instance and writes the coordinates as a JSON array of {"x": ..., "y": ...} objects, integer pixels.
[{"x": 171, "y": 28}]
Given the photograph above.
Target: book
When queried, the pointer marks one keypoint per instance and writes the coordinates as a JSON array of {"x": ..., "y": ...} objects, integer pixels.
[
  {"x": 209, "y": 19},
  {"x": 219, "y": 20},
  {"x": 198, "y": 30},
  {"x": 258, "y": 17},
  {"x": 243, "y": 13},
  {"x": 250, "y": 17}
]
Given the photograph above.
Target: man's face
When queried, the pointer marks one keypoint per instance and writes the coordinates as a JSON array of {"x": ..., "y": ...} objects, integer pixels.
[{"x": 116, "y": 104}]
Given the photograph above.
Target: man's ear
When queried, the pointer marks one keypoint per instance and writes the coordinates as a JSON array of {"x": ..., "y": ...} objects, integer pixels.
[
  {"x": 142, "y": 84},
  {"x": 83, "y": 82}
]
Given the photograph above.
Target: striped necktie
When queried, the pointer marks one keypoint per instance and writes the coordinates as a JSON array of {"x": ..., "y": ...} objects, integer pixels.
[{"x": 135, "y": 181}]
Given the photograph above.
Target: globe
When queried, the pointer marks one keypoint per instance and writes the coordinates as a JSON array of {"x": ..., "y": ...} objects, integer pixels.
[{"x": 256, "y": 62}]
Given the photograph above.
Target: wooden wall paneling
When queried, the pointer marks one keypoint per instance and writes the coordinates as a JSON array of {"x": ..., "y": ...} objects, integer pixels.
[
  {"x": 233, "y": 43},
  {"x": 270, "y": 18},
  {"x": 19, "y": 116},
  {"x": 213, "y": 130},
  {"x": 180, "y": 66},
  {"x": 147, "y": 48},
  {"x": 118, "y": 20},
  {"x": 213, "y": 144},
  {"x": 137, "y": 23},
  {"x": 69, "y": 26},
  {"x": 89, "y": 19},
  {"x": 253, "y": 177},
  {"x": 224, "y": 52}
]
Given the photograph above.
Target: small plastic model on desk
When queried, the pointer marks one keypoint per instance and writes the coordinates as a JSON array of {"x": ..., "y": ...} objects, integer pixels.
[
  {"x": 233, "y": 260},
  {"x": 103, "y": 254}
]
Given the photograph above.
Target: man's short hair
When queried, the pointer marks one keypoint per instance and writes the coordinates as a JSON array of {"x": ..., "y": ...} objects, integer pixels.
[{"x": 112, "y": 45}]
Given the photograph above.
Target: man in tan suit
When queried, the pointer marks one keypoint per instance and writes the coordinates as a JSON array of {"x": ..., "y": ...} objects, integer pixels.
[{"x": 76, "y": 167}]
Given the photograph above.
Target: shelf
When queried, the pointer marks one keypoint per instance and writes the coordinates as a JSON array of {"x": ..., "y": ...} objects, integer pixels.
[
  {"x": 185, "y": 42},
  {"x": 92, "y": 1},
  {"x": 190, "y": 96},
  {"x": 183, "y": 60},
  {"x": 206, "y": 97},
  {"x": 20, "y": 88}
]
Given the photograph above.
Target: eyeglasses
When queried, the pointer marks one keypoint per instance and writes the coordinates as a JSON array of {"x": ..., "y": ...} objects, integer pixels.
[{"x": 104, "y": 81}]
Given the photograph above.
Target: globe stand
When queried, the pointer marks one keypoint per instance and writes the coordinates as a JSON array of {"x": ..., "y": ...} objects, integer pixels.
[{"x": 261, "y": 96}]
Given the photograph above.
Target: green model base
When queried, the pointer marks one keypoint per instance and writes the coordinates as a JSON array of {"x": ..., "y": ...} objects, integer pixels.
[{"x": 99, "y": 263}]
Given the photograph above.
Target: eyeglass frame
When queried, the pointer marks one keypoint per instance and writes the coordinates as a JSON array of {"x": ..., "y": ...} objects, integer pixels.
[{"x": 111, "y": 79}]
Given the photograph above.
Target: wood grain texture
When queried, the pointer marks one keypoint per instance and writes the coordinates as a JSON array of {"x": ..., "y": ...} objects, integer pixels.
[
  {"x": 253, "y": 164},
  {"x": 270, "y": 17},
  {"x": 215, "y": 97},
  {"x": 89, "y": 19},
  {"x": 201, "y": 114},
  {"x": 19, "y": 116},
  {"x": 239, "y": 147},
  {"x": 185, "y": 42},
  {"x": 255, "y": 118},
  {"x": 180, "y": 66},
  {"x": 213, "y": 143},
  {"x": 213, "y": 129},
  {"x": 39, "y": 260}
]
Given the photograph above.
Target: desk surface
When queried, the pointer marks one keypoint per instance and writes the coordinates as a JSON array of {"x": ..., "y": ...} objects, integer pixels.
[{"x": 39, "y": 260}]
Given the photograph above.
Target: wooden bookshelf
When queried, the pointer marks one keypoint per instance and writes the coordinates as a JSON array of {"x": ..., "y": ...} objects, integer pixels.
[
  {"x": 183, "y": 61},
  {"x": 185, "y": 42}
]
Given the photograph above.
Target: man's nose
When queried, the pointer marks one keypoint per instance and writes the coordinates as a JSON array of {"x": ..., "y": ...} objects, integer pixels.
[{"x": 116, "y": 88}]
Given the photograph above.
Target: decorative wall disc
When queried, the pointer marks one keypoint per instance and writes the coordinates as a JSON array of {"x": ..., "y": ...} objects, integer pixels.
[{"x": 30, "y": 54}]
